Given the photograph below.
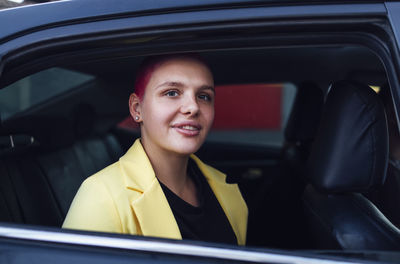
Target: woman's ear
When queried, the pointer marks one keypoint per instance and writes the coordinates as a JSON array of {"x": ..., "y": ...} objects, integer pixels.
[{"x": 134, "y": 107}]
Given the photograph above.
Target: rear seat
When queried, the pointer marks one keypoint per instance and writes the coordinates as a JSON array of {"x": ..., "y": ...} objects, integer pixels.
[
  {"x": 37, "y": 185},
  {"x": 39, "y": 181}
]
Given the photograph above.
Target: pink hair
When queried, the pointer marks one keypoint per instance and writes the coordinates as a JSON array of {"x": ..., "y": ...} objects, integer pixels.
[{"x": 150, "y": 64}]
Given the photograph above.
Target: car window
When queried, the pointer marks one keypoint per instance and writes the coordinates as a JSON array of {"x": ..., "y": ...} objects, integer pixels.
[{"x": 36, "y": 88}]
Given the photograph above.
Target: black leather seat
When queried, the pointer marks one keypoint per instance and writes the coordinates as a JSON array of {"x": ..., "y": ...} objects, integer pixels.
[
  {"x": 72, "y": 140},
  {"x": 387, "y": 198},
  {"x": 37, "y": 185},
  {"x": 349, "y": 157},
  {"x": 39, "y": 178}
]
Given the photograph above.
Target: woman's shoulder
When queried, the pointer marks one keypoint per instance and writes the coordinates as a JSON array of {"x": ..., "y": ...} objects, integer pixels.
[
  {"x": 124, "y": 180},
  {"x": 110, "y": 175}
]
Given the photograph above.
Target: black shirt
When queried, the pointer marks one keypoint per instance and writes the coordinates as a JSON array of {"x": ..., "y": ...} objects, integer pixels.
[{"x": 207, "y": 222}]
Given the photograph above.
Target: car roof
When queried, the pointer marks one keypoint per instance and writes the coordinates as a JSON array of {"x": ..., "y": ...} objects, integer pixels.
[{"x": 71, "y": 11}]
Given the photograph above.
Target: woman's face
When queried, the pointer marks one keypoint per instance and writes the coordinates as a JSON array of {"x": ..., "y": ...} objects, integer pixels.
[{"x": 177, "y": 109}]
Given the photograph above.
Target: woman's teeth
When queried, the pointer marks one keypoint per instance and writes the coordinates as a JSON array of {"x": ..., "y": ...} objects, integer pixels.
[{"x": 189, "y": 128}]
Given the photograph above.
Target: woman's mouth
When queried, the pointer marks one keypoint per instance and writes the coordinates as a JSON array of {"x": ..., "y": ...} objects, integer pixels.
[{"x": 188, "y": 129}]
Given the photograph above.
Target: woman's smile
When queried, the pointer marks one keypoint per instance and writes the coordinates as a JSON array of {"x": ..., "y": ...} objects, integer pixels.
[{"x": 189, "y": 129}]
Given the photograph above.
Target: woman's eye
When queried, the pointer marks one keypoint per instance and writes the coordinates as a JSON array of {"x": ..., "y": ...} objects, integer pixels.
[
  {"x": 171, "y": 93},
  {"x": 205, "y": 97}
]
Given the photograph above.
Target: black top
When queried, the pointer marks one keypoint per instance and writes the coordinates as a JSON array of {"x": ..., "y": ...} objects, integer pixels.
[{"x": 207, "y": 222}]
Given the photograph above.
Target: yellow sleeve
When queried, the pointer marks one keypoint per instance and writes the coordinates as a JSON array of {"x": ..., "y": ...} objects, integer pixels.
[{"x": 93, "y": 209}]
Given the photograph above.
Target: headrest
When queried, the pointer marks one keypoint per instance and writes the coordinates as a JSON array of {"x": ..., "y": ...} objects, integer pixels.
[
  {"x": 54, "y": 131},
  {"x": 48, "y": 130},
  {"x": 306, "y": 113},
  {"x": 350, "y": 152}
]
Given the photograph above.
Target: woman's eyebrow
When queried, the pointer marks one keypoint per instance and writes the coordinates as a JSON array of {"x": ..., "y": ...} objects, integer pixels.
[
  {"x": 170, "y": 84},
  {"x": 179, "y": 84},
  {"x": 207, "y": 87}
]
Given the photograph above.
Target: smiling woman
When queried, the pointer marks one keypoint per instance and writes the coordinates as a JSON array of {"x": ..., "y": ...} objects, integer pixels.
[{"x": 159, "y": 188}]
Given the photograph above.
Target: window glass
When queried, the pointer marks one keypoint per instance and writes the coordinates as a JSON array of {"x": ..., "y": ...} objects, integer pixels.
[
  {"x": 37, "y": 88},
  {"x": 252, "y": 113}
]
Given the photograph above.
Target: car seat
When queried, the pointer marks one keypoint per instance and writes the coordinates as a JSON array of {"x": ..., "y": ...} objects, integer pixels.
[
  {"x": 302, "y": 126},
  {"x": 349, "y": 157}
]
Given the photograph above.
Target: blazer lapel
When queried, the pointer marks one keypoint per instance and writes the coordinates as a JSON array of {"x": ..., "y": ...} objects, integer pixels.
[
  {"x": 149, "y": 204},
  {"x": 154, "y": 213},
  {"x": 230, "y": 199}
]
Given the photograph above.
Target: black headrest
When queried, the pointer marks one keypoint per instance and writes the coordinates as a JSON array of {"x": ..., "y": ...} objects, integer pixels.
[
  {"x": 306, "y": 113},
  {"x": 350, "y": 152},
  {"x": 54, "y": 131}
]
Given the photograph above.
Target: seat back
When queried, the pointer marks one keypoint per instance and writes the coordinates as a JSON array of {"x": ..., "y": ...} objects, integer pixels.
[
  {"x": 302, "y": 125},
  {"x": 44, "y": 160},
  {"x": 349, "y": 157},
  {"x": 37, "y": 184}
]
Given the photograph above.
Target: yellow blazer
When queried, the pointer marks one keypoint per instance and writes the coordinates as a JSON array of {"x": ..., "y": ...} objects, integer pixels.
[{"x": 127, "y": 198}]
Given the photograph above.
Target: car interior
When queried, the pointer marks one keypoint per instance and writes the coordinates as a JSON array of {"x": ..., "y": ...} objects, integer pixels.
[{"x": 305, "y": 181}]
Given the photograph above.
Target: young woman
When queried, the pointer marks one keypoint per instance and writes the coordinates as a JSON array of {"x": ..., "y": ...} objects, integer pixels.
[{"x": 159, "y": 188}]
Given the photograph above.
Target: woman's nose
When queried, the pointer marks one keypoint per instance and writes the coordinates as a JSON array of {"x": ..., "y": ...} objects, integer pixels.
[{"x": 190, "y": 105}]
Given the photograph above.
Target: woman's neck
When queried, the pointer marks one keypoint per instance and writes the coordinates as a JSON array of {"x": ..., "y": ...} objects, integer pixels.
[{"x": 171, "y": 170}]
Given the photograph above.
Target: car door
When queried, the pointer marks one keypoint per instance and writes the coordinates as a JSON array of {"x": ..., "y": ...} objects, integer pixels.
[{"x": 69, "y": 33}]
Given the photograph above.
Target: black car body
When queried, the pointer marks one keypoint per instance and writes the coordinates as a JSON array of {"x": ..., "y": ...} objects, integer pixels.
[{"x": 72, "y": 64}]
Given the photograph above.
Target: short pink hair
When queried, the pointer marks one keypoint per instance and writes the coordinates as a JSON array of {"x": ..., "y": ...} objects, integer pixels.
[{"x": 150, "y": 64}]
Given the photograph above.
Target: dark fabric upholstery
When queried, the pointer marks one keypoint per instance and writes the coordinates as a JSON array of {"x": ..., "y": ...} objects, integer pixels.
[{"x": 350, "y": 155}]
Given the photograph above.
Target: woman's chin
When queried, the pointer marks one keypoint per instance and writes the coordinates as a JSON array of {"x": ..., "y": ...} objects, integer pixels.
[{"x": 186, "y": 149}]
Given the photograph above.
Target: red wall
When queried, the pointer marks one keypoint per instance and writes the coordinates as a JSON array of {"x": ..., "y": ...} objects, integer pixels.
[{"x": 251, "y": 106}]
